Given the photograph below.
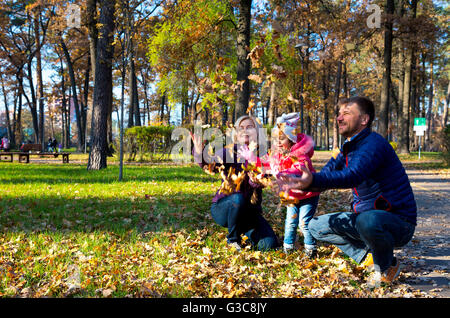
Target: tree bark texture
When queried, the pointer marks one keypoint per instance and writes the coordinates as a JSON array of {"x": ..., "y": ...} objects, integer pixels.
[
  {"x": 385, "y": 89},
  {"x": 103, "y": 88},
  {"x": 243, "y": 64},
  {"x": 337, "y": 90}
]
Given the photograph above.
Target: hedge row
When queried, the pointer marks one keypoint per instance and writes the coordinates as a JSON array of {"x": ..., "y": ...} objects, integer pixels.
[{"x": 152, "y": 141}]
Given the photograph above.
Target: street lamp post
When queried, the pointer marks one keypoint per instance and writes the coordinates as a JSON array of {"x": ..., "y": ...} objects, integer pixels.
[{"x": 299, "y": 47}]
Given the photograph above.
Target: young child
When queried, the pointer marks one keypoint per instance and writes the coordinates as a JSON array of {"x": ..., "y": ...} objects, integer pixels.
[{"x": 293, "y": 150}]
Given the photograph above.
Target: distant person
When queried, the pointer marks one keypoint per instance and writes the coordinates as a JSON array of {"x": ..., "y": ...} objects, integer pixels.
[
  {"x": 5, "y": 144},
  {"x": 384, "y": 209},
  {"x": 54, "y": 144},
  {"x": 49, "y": 144}
]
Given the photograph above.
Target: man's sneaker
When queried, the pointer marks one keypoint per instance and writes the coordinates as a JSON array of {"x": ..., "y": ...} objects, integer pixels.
[
  {"x": 236, "y": 246},
  {"x": 368, "y": 261},
  {"x": 310, "y": 253},
  {"x": 389, "y": 275}
]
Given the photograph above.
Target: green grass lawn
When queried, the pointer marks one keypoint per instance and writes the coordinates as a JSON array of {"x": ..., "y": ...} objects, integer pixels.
[{"x": 69, "y": 232}]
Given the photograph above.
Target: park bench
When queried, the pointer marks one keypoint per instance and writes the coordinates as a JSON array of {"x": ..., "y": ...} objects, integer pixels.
[
  {"x": 6, "y": 156},
  {"x": 31, "y": 147},
  {"x": 32, "y": 150},
  {"x": 24, "y": 157}
]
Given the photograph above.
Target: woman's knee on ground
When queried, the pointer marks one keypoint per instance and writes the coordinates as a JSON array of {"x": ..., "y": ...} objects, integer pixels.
[{"x": 267, "y": 243}]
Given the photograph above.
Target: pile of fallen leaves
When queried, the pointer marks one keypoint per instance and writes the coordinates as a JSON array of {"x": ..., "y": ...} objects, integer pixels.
[
  {"x": 178, "y": 264},
  {"x": 65, "y": 259}
]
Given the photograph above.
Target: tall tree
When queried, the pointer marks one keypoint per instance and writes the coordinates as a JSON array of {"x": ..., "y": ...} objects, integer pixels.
[
  {"x": 70, "y": 67},
  {"x": 103, "y": 88},
  {"x": 446, "y": 106},
  {"x": 387, "y": 56},
  {"x": 404, "y": 139},
  {"x": 243, "y": 63},
  {"x": 337, "y": 90}
]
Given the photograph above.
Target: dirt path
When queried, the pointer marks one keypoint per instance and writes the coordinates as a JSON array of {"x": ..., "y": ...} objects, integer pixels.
[{"x": 426, "y": 259}]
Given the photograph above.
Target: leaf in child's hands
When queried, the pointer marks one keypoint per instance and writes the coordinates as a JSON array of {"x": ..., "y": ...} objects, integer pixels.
[
  {"x": 335, "y": 153},
  {"x": 294, "y": 158}
]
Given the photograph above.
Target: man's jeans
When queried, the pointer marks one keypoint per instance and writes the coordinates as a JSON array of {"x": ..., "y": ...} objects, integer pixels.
[
  {"x": 301, "y": 213},
  {"x": 240, "y": 217},
  {"x": 373, "y": 231}
]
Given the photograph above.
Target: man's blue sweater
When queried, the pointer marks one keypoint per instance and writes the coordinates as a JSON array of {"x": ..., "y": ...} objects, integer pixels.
[{"x": 369, "y": 165}]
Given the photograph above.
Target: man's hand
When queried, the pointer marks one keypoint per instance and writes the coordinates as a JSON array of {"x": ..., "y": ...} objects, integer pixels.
[{"x": 302, "y": 182}]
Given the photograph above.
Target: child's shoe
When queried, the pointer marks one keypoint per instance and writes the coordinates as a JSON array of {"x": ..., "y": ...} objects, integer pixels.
[
  {"x": 288, "y": 248},
  {"x": 311, "y": 253}
]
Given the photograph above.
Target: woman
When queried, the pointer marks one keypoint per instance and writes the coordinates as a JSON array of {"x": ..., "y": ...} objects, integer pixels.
[{"x": 237, "y": 211}]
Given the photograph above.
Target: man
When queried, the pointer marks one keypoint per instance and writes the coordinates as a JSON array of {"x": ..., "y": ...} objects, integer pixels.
[{"x": 384, "y": 209}]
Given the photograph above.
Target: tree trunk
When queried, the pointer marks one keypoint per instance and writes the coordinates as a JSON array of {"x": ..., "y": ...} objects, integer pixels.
[
  {"x": 272, "y": 111},
  {"x": 163, "y": 102},
  {"x": 93, "y": 32},
  {"x": 33, "y": 103},
  {"x": 224, "y": 109},
  {"x": 84, "y": 105},
  {"x": 17, "y": 125},
  {"x": 345, "y": 80},
  {"x": 74, "y": 95},
  {"x": 147, "y": 105},
  {"x": 325, "y": 110},
  {"x": 66, "y": 110},
  {"x": 103, "y": 88},
  {"x": 91, "y": 18},
  {"x": 403, "y": 146},
  {"x": 134, "y": 97},
  {"x": 337, "y": 90},
  {"x": 384, "y": 103},
  {"x": 393, "y": 113},
  {"x": 400, "y": 96},
  {"x": 446, "y": 106},
  {"x": 40, "y": 87},
  {"x": 122, "y": 101},
  {"x": 11, "y": 136},
  {"x": 243, "y": 65}
]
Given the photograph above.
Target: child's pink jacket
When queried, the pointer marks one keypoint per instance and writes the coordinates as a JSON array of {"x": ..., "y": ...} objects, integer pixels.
[{"x": 299, "y": 155}]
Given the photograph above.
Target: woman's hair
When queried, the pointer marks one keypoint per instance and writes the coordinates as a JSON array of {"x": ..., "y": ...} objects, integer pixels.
[{"x": 241, "y": 119}]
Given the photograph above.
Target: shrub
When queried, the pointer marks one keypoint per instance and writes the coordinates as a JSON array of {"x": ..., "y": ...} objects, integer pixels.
[{"x": 147, "y": 140}]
